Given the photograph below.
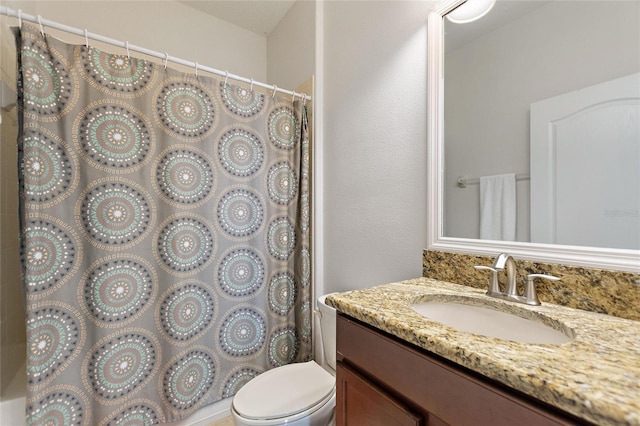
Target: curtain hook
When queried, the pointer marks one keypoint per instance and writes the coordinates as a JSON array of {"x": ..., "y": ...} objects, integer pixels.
[
  {"x": 275, "y": 89},
  {"x": 196, "y": 69},
  {"x": 166, "y": 60},
  {"x": 293, "y": 97},
  {"x": 20, "y": 18},
  {"x": 41, "y": 27},
  {"x": 126, "y": 45},
  {"x": 226, "y": 76},
  {"x": 251, "y": 87},
  {"x": 305, "y": 98},
  {"x": 86, "y": 38}
]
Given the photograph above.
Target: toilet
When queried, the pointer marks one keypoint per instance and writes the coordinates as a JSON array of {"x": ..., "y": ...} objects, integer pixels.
[{"x": 295, "y": 394}]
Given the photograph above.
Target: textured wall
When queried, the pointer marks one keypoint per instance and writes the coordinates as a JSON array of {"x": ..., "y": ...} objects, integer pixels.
[
  {"x": 163, "y": 26},
  {"x": 291, "y": 47},
  {"x": 374, "y": 141}
]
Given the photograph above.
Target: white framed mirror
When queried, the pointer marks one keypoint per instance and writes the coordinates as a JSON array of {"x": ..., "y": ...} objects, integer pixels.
[{"x": 594, "y": 257}]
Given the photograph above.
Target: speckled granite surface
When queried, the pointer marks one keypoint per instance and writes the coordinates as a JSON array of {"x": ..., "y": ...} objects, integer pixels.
[
  {"x": 596, "y": 376},
  {"x": 607, "y": 292}
]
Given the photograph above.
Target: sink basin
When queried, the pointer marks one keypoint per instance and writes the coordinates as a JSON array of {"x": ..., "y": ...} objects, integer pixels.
[{"x": 491, "y": 323}]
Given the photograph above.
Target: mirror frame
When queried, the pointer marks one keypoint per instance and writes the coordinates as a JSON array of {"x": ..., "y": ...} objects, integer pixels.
[{"x": 592, "y": 257}]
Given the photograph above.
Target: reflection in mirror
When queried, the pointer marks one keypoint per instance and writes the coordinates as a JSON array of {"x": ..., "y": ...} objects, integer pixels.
[
  {"x": 437, "y": 238},
  {"x": 544, "y": 69},
  {"x": 470, "y": 11}
]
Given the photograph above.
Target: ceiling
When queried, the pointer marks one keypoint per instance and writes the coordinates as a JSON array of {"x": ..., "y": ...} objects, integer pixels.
[{"x": 258, "y": 16}]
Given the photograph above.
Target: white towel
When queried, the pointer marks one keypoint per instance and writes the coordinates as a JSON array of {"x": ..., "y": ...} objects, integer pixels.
[{"x": 498, "y": 207}]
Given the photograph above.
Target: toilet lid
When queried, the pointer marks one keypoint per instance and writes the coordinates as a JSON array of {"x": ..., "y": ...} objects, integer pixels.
[{"x": 284, "y": 391}]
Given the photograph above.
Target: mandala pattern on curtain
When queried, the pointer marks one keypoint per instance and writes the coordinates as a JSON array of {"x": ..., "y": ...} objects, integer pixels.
[{"x": 164, "y": 235}]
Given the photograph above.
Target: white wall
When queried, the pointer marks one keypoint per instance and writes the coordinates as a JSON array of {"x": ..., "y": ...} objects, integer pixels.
[
  {"x": 374, "y": 142},
  {"x": 490, "y": 83},
  {"x": 291, "y": 47},
  {"x": 163, "y": 26}
]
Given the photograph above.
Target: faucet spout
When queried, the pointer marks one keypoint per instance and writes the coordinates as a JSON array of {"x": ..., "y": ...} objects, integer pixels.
[{"x": 506, "y": 261}]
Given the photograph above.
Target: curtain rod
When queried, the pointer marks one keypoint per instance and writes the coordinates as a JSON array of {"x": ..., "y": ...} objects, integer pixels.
[{"x": 165, "y": 56}]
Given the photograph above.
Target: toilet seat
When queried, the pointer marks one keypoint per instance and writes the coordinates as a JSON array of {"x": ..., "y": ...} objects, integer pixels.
[{"x": 292, "y": 390}]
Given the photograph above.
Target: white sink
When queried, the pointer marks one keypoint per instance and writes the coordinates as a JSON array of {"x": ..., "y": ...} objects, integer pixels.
[{"x": 491, "y": 323}]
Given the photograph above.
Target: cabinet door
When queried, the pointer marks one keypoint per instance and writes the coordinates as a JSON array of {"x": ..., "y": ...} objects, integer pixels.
[{"x": 361, "y": 402}]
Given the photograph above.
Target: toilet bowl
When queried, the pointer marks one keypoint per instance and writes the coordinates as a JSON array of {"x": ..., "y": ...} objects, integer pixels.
[{"x": 295, "y": 394}]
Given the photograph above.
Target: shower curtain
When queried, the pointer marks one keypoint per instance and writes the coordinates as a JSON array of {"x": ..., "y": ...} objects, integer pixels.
[{"x": 164, "y": 235}]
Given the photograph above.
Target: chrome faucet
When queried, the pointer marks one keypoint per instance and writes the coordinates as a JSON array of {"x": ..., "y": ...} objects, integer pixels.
[{"x": 506, "y": 261}]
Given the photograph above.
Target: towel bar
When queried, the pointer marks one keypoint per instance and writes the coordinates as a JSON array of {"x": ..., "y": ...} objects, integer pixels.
[{"x": 463, "y": 181}]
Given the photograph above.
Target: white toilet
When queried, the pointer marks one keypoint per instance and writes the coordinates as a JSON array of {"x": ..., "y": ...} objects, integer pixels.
[{"x": 295, "y": 394}]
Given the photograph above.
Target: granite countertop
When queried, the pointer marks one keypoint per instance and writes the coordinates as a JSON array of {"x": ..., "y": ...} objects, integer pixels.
[{"x": 595, "y": 376}]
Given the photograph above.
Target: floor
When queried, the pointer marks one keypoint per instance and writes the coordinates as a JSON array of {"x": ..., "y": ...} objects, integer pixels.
[{"x": 227, "y": 421}]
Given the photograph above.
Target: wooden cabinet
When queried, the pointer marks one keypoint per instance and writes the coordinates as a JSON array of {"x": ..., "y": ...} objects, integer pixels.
[
  {"x": 382, "y": 380},
  {"x": 362, "y": 402}
]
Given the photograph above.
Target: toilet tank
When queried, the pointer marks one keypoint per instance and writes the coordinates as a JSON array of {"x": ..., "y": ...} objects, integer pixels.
[{"x": 328, "y": 331}]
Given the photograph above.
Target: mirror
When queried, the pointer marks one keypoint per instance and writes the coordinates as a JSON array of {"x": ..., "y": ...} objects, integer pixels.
[{"x": 447, "y": 232}]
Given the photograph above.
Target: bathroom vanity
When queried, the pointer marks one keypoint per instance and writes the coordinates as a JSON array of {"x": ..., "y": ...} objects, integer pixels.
[
  {"x": 397, "y": 367},
  {"x": 384, "y": 381}
]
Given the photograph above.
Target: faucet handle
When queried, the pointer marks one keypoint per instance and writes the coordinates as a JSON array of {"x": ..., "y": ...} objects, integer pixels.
[
  {"x": 494, "y": 288},
  {"x": 530, "y": 295}
]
